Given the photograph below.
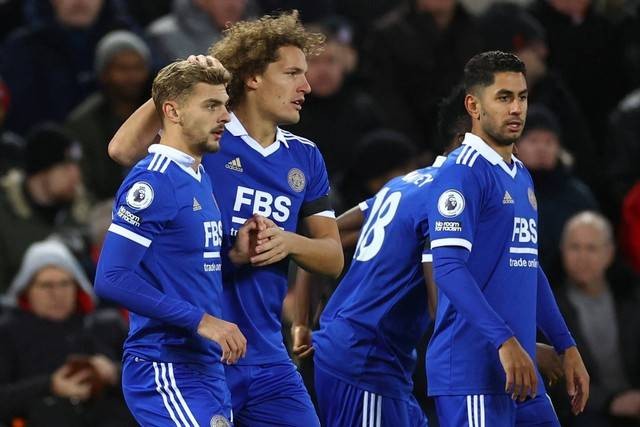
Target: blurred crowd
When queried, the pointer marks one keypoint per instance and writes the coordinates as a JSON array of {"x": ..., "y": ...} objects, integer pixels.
[{"x": 71, "y": 72}]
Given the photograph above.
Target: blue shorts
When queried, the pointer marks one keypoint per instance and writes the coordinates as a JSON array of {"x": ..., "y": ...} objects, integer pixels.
[
  {"x": 173, "y": 394},
  {"x": 270, "y": 395},
  {"x": 343, "y": 405},
  {"x": 537, "y": 412},
  {"x": 494, "y": 410}
]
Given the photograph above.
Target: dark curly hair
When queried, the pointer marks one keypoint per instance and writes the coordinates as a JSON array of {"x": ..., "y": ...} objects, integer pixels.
[
  {"x": 481, "y": 69},
  {"x": 248, "y": 47}
]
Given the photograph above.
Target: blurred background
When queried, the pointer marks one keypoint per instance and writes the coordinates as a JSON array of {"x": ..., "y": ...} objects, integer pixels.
[{"x": 71, "y": 72}]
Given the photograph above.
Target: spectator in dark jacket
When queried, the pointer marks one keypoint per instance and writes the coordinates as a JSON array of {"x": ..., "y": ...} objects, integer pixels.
[
  {"x": 510, "y": 28},
  {"x": 49, "y": 67},
  {"x": 122, "y": 64},
  {"x": 59, "y": 363},
  {"x": 46, "y": 198},
  {"x": 601, "y": 307},
  {"x": 414, "y": 57}
]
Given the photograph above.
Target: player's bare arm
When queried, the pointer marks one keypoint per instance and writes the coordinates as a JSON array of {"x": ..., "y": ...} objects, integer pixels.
[
  {"x": 349, "y": 225},
  {"x": 300, "y": 329}
]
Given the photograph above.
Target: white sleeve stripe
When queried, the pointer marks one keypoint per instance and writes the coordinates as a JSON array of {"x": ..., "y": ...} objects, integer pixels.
[
  {"x": 326, "y": 214},
  {"x": 451, "y": 242},
  {"x": 121, "y": 231},
  {"x": 427, "y": 258},
  {"x": 363, "y": 206}
]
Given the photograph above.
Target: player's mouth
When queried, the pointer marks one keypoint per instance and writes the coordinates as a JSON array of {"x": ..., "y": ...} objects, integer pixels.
[
  {"x": 217, "y": 132},
  {"x": 298, "y": 103},
  {"x": 514, "y": 125}
]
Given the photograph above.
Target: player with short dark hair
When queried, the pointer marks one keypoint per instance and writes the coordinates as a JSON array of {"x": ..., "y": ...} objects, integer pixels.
[{"x": 493, "y": 295}]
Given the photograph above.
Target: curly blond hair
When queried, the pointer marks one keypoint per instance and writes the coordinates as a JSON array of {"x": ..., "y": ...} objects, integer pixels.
[{"x": 248, "y": 47}]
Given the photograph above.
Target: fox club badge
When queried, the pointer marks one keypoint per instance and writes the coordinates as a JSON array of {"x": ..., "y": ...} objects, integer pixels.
[
  {"x": 219, "y": 421},
  {"x": 532, "y": 198},
  {"x": 140, "y": 195},
  {"x": 451, "y": 203},
  {"x": 296, "y": 179}
]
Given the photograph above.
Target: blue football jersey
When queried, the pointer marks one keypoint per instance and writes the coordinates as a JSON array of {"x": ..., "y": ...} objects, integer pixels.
[
  {"x": 285, "y": 182},
  {"x": 378, "y": 313},
  {"x": 166, "y": 206},
  {"x": 481, "y": 203}
]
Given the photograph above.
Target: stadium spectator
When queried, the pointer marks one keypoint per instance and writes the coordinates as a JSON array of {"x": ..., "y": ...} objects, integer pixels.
[
  {"x": 560, "y": 194},
  {"x": 11, "y": 145},
  {"x": 601, "y": 306},
  {"x": 335, "y": 113},
  {"x": 122, "y": 64},
  {"x": 584, "y": 49},
  {"x": 414, "y": 57},
  {"x": 47, "y": 197},
  {"x": 193, "y": 25},
  {"x": 59, "y": 363},
  {"x": 510, "y": 28},
  {"x": 49, "y": 66}
]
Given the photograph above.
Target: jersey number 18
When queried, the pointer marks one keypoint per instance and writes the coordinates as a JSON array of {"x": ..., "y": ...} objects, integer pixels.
[{"x": 373, "y": 233}]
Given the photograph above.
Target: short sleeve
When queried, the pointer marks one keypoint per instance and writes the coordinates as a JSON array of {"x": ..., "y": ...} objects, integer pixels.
[
  {"x": 144, "y": 204},
  {"x": 453, "y": 206},
  {"x": 316, "y": 198}
]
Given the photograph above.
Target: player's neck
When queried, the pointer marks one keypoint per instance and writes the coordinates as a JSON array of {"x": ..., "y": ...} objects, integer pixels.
[
  {"x": 258, "y": 128},
  {"x": 505, "y": 151},
  {"x": 173, "y": 138}
]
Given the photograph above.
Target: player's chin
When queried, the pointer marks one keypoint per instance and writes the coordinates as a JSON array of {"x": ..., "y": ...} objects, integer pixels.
[
  {"x": 213, "y": 144},
  {"x": 291, "y": 118}
]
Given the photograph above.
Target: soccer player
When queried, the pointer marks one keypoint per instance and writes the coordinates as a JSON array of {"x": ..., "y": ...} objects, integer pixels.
[
  {"x": 161, "y": 260},
  {"x": 492, "y": 292},
  {"x": 274, "y": 173}
]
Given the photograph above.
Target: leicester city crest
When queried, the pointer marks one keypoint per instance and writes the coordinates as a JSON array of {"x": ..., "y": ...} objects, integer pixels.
[
  {"x": 219, "y": 421},
  {"x": 296, "y": 180},
  {"x": 451, "y": 203},
  {"x": 532, "y": 198},
  {"x": 140, "y": 195}
]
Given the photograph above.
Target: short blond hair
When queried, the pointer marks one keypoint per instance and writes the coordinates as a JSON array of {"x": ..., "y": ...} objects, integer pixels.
[
  {"x": 248, "y": 47},
  {"x": 176, "y": 81}
]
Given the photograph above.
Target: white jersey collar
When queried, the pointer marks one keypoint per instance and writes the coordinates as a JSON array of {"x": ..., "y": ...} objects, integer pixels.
[
  {"x": 237, "y": 129},
  {"x": 490, "y": 154},
  {"x": 182, "y": 159}
]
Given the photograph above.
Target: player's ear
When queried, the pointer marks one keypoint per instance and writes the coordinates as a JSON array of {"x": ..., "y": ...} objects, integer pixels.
[
  {"x": 170, "y": 110},
  {"x": 252, "y": 82},
  {"x": 472, "y": 104}
]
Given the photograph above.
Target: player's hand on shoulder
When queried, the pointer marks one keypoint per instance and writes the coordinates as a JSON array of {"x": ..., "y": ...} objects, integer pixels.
[
  {"x": 227, "y": 335},
  {"x": 577, "y": 379},
  {"x": 519, "y": 369},
  {"x": 302, "y": 344},
  {"x": 549, "y": 363},
  {"x": 205, "y": 61}
]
